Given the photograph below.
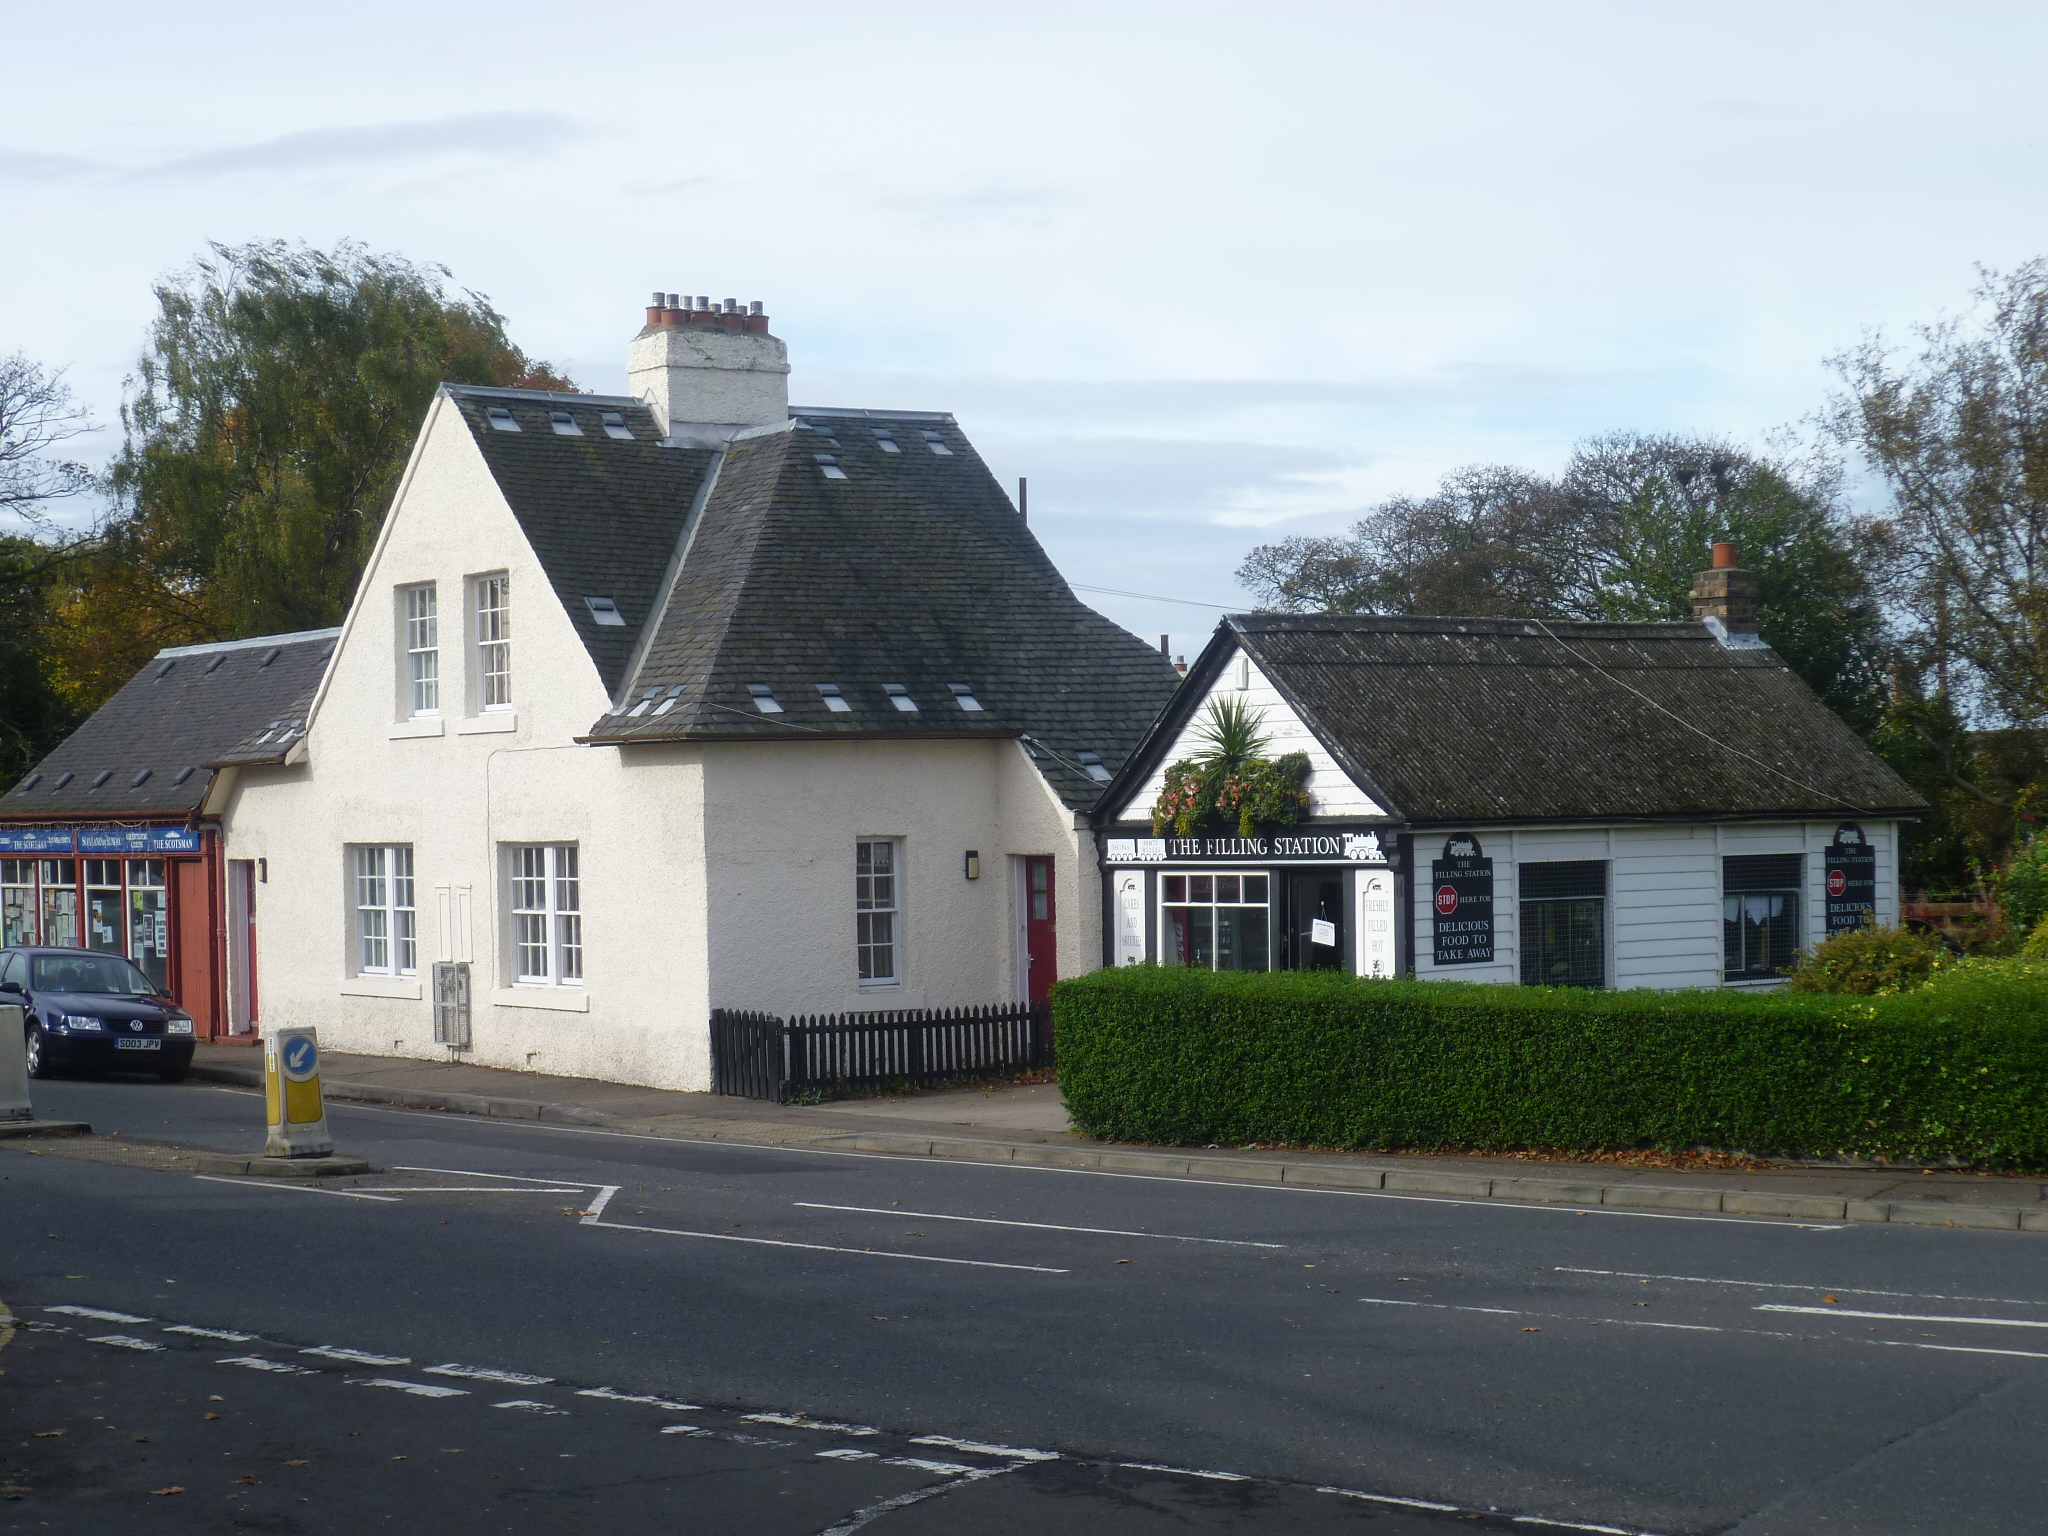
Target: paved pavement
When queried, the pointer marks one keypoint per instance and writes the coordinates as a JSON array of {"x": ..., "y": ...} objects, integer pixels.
[
  {"x": 1017, "y": 1124},
  {"x": 1630, "y": 1369}
]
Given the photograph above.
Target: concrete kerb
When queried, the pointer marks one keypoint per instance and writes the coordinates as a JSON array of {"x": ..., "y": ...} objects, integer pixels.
[{"x": 1315, "y": 1175}]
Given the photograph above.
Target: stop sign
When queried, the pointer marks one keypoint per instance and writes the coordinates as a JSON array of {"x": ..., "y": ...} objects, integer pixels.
[
  {"x": 1446, "y": 900},
  {"x": 1837, "y": 882}
]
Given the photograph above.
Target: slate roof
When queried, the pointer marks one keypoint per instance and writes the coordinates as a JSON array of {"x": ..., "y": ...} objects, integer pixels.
[
  {"x": 915, "y": 570},
  {"x": 602, "y": 514},
  {"x": 191, "y": 709},
  {"x": 1467, "y": 721}
]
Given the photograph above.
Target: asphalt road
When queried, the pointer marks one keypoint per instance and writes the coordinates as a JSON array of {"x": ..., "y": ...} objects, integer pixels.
[{"x": 1041, "y": 1329}]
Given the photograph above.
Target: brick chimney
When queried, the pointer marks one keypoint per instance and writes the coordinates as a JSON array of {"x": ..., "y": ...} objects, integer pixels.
[
  {"x": 1724, "y": 599},
  {"x": 709, "y": 369}
]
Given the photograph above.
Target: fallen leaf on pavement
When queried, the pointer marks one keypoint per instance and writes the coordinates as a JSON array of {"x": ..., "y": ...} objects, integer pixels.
[
  {"x": 48, "y": 1434},
  {"x": 157, "y": 1493},
  {"x": 142, "y": 1439},
  {"x": 301, "y": 1462},
  {"x": 1831, "y": 1300},
  {"x": 250, "y": 1480},
  {"x": 213, "y": 1415},
  {"x": 1532, "y": 1330},
  {"x": 876, "y": 1317}
]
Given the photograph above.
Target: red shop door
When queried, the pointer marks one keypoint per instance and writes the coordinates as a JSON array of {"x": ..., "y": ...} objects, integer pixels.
[
  {"x": 1039, "y": 946},
  {"x": 192, "y": 943}
]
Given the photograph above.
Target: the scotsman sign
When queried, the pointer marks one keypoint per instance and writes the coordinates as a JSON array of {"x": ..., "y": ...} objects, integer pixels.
[{"x": 1317, "y": 845}]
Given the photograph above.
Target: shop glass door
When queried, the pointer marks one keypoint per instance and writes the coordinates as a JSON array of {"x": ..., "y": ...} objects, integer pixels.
[
  {"x": 1316, "y": 922},
  {"x": 106, "y": 926},
  {"x": 60, "y": 903},
  {"x": 149, "y": 940}
]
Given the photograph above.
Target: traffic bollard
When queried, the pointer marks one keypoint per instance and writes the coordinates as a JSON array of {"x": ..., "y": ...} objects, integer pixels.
[{"x": 291, "y": 1091}]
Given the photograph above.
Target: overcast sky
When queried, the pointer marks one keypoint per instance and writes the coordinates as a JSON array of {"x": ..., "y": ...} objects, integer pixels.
[{"x": 1208, "y": 275}]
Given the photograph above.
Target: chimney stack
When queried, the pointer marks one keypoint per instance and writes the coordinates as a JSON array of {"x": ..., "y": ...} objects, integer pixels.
[
  {"x": 1724, "y": 599},
  {"x": 708, "y": 369}
]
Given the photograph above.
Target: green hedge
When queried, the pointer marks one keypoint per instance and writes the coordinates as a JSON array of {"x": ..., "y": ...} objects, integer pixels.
[{"x": 1958, "y": 1069}]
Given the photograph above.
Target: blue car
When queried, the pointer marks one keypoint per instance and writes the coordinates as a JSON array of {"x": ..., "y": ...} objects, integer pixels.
[{"x": 87, "y": 1009}]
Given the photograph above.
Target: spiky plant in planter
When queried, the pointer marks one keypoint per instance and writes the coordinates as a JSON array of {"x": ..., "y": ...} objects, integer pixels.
[{"x": 1230, "y": 775}]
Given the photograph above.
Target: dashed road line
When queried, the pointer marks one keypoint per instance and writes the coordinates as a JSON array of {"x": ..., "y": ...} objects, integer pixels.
[
  {"x": 481, "y": 1373},
  {"x": 1040, "y": 1226},
  {"x": 98, "y": 1314},
  {"x": 226, "y": 1336},
  {"x": 1903, "y": 1317},
  {"x": 1783, "y": 1285},
  {"x": 415, "y": 1388},
  {"x": 875, "y": 1512},
  {"x": 1153, "y": 1466},
  {"x": 355, "y": 1356},
  {"x": 610, "y": 1396},
  {"x": 258, "y": 1363},
  {"x": 529, "y": 1405},
  {"x": 983, "y": 1448},
  {"x": 800, "y": 1421},
  {"x": 125, "y": 1341}
]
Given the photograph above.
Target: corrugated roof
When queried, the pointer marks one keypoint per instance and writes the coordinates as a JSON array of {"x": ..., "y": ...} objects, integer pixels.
[
  {"x": 191, "y": 708},
  {"x": 1450, "y": 720},
  {"x": 914, "y": 570}
]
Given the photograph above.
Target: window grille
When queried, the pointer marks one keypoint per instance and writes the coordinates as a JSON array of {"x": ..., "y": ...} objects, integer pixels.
[
  {"x": 547, "y": 915},
  {"x": 451, "y": 1003},
  {"x": 422, "y": 650},
  {"x": 387, "y": 929},
  {"x": 876, "y": 910},
  {"x": 1215, "y": 922},
  {"x": 1564, "y": 923},
  {"x": 494, "y": 641}
]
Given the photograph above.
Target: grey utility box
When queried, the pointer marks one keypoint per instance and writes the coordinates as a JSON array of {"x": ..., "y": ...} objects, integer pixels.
[{"x": 451, "y": 1003}]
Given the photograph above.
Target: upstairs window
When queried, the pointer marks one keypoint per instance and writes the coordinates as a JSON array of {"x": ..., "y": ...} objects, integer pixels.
[
  {"x": 884, "y": 441},
  {"x": 501, "y": 418},
  {"x": 1091, "y": 763},
  {"x": 646, "y": 702},
  {"x": 674, "y": 698},
  {"x": 963, "y": 695},
  {"x": 386, "y": 920},
  {"x": 606, "y": 612},
  {"x": 615, "y": 426},
  {"x": 564, "y": 424},
  {"x": 900, "y": 697},
  {"x": 422, "y": 650},
  {"x": 835, "y": 701},
  {"x": 494, "y": 642}
]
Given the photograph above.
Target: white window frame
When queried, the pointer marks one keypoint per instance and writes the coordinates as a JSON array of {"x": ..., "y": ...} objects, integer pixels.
[
  {"x": 419, "y": 628},
  {"x": 544, "y": 902},
  {"x": 878, "y": 913},
  {"x": 491, "y": 616},
  {"x": 384, "y": 927}
]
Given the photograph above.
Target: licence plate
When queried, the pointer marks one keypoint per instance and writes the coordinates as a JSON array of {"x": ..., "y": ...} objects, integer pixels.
[{"x": 138, "y": 1045}]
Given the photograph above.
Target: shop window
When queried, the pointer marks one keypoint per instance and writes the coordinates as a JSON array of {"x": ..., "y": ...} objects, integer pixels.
[
  {"x": 105, "y": 926},
  {"x": 422, "y": 650},
  {"x": 1564, "y": 923},
  {"x": 494, "y": 642},
  {"x": 59, "y": 880},
  {"x": 149, "y": 921},
  {"x": 1760, "y": 914},
  {"x": 1215, "y": 922},
  {"x": 547, "y": 915},
  {"x": 387, "y": 926},
  {"x": 876, "y": 911},
  {"x": 17, "y": 902}
]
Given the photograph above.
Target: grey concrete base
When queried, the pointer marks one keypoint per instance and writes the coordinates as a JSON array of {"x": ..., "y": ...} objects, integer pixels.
[
  {"x": 333, "y": 1165},
  {"x": 10, "y": 1128}
]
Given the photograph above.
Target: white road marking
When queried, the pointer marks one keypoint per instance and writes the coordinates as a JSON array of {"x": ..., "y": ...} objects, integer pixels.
[
  {"x": 981, "y": 1448},
  {"x": 1153, "y": 1466},
  {"x": 356, "y": 1356},
  {"x": 1962, "y": 1349},
  {"x": 124, "y": 1341},
  {"x": 447, "y": 1118},
  {"x": 944, "y": 1468},
  {"x": 1040, "y": 1226},
  {"x": 860, "y": 1518},
  {"x": 223, "y": 1334},
  {"x": 528, "y": 1405},
  {"x": 479, "y": 1373},
  {"x": 1618, "y": 1322},
  {"x": 258, "y": 1363},
  {"x": 280, "y": 1184},
  {"x": 1782, "y": 1285},
  {"x": 471, "y": 1173},
  {"x": 776, "y": 1242},
  {"x": 844, "y": 1454},
  {"x": 627, "y": 1397},
  {"x": 1574, "y": 1525},
  {"x": 99, "y": 1314},
  {"x": 604, "y": 1198},
  {"x": 466, "y": 1189},
  {"x": 685, "y": 1429},
  {"x": 416, "y": 1388},
  {"x": 1902, "y": 1317},
  {"x": 1387, "y": 1498},
  {"x": 798, "y": 1421}
]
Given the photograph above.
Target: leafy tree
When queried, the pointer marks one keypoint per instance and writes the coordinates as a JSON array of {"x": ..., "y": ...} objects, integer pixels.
[
  {"x": 1959, "y": 435},
  {"x": 271, "y": 418},
  {"x": 1620, "y": 535}
]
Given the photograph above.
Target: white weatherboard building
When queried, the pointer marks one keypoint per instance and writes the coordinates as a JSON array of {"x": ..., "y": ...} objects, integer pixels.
[
  {"x": 1600, "y": 805},
  {"x": 647, "y": 706}
]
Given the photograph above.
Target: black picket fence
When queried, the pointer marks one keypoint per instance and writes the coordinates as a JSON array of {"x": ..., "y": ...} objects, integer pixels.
[{"x": 760, "y": 1056}]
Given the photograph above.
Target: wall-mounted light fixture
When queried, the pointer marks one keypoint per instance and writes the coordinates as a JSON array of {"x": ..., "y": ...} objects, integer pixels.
[
  {"x": 974, "y": 863},
  {"x": 263, "y": 871}
]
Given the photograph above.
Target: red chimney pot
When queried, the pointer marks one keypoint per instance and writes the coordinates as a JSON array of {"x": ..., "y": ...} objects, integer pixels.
[{"x": 1724, "y": 557}]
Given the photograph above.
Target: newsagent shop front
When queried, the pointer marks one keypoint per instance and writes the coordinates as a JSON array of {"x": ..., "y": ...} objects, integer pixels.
[
  {"x": 1304, "y": 898},
  {"x": 145, "y": 892}
]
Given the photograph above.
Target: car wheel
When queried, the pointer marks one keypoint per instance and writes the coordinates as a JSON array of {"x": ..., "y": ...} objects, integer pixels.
[
  {"x": 174, "y": 1074},
  {"x": 39, "y": 1063}
]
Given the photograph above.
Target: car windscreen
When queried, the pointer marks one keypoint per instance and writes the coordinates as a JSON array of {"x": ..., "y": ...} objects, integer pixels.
[{"x": 108, "y": 975}]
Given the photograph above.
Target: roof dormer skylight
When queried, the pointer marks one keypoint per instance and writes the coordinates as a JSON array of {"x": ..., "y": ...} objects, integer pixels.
[
  {"x": 937, "y": 444},
  {"x": 213, "y": 666},
  {"x": 606, "y": 612},
  {"x": 669, "y": 703},
  {"x": 183, "y": 775},
  {"x": 271, "y": 655},
  {"x": 884, "y": 441},
  {"x": 900, "y": 697},
  {"x": 164, "y": 671},
  {"x": 963, "y": 693},
  {"x": 62, "y": 779},
  {"x": 564, "y": 424},
  {"x": 31, "y": 782},
  {"x": 648, "y": 698},
  {"x": 835, "y": 701},
  {"x": 101, "y": 777},
  {"x": 764, "y": 698},
  {"x": 141, "y": 777},
  {"x": 501, "y": 418},
  {"x": 830, "y": 466},
  {"x": 1092, "y": 761},
  {"x": 615, "y": 426}
]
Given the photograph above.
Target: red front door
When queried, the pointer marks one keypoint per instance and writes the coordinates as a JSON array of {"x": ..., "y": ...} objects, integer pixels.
[{"x": 1039, "y": 945}]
